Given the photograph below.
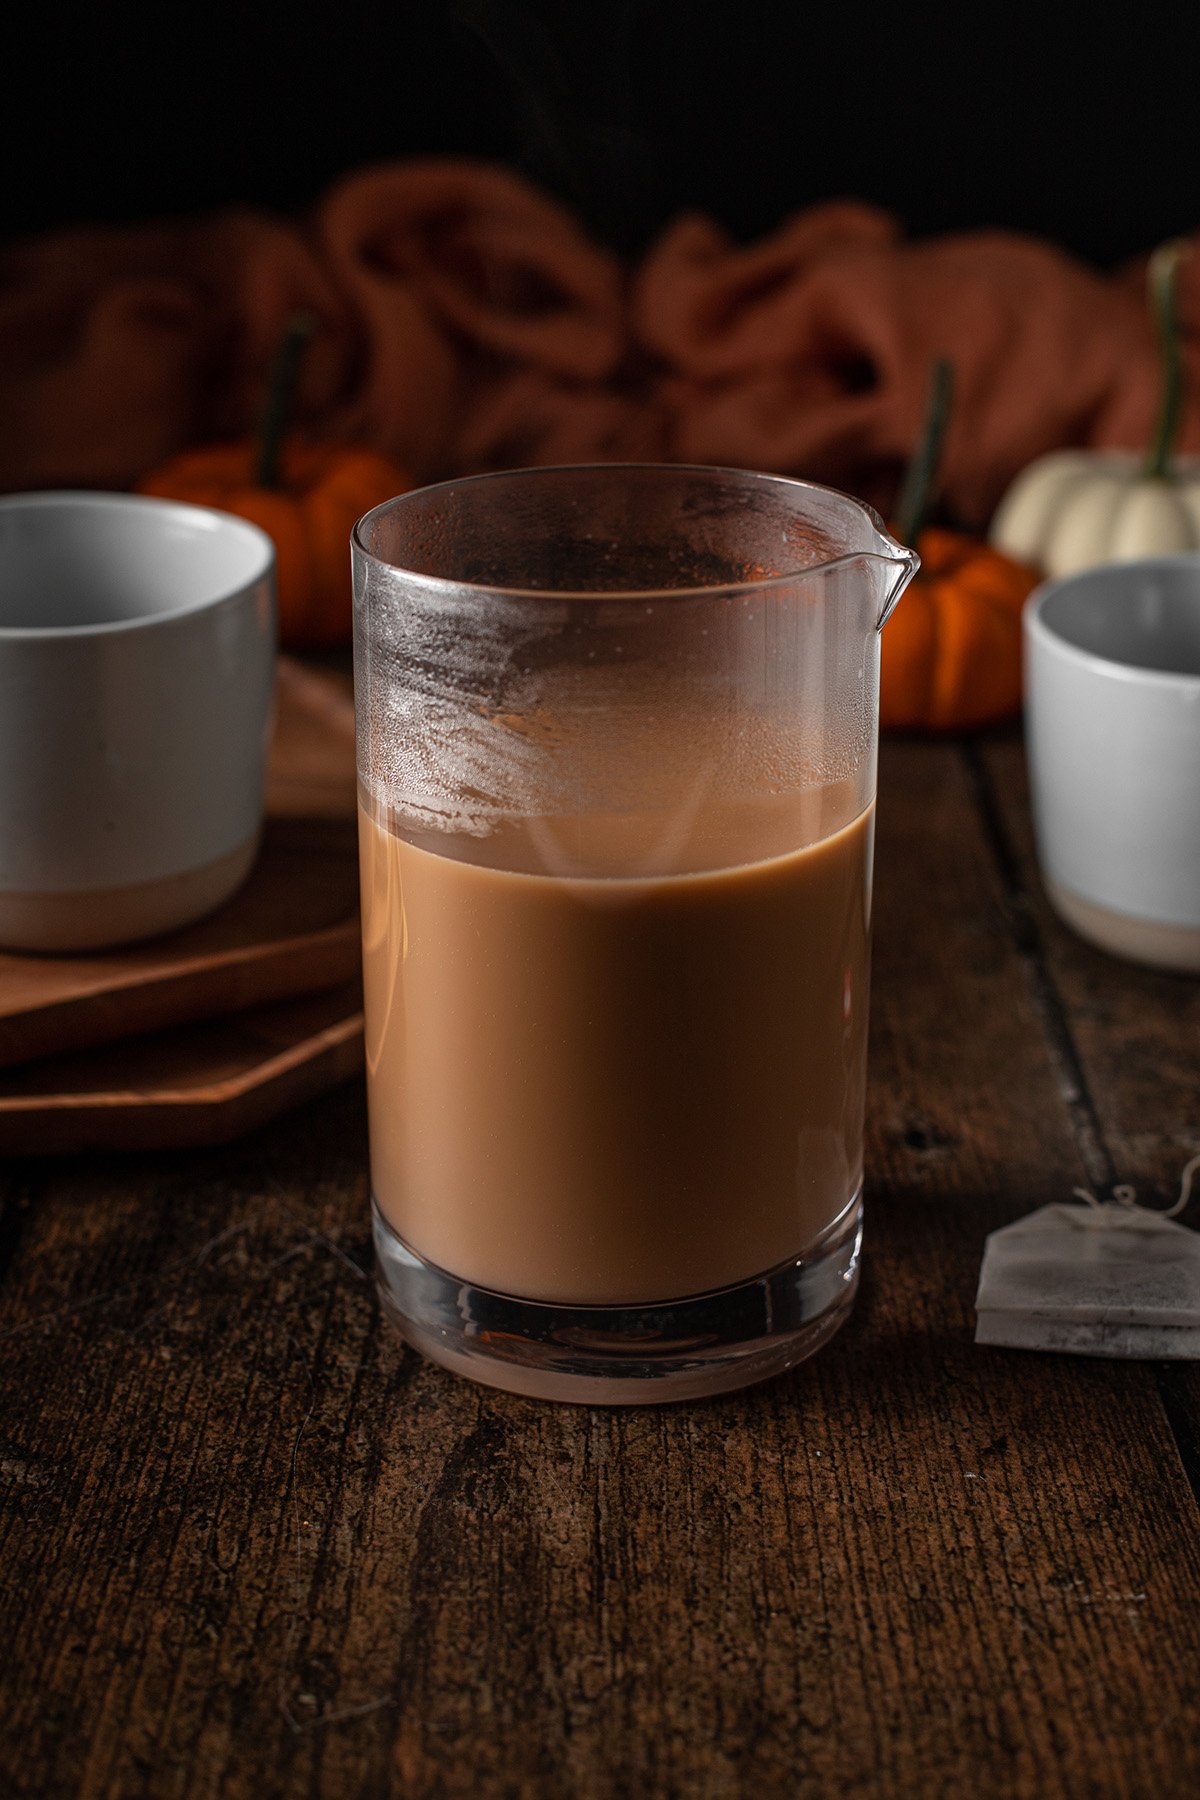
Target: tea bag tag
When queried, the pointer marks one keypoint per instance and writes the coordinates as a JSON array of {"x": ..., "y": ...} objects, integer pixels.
[{"x": 1101, "y": 1279}]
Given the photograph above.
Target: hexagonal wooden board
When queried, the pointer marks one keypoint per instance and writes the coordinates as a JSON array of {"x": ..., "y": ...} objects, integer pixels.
[{"x": 198, "y": 1084}]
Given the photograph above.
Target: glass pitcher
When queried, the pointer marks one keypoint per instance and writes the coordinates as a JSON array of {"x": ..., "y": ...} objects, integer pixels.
[{"x": 617, "y": 733}]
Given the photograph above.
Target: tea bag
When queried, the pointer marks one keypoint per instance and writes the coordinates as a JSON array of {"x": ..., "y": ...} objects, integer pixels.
[{"x": 1101, "y": 1279}]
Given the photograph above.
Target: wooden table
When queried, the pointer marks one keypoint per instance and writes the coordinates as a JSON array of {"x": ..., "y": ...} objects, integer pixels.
[{"x": 253, "y": 1547}]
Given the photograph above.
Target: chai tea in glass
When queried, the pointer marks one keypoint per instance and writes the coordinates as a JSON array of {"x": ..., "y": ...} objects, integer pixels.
[{"x": 617, "y": 735}]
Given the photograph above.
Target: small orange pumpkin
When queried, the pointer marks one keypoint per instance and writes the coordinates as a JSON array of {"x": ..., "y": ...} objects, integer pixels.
[
  {"x": 306, "y": 497},
  {"x": 951, "y": 652}
]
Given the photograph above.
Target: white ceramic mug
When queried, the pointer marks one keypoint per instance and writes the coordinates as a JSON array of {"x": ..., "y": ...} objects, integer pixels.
[
  {"x": 137, "y": 643},
  {"x": 1112, "y": 718}
]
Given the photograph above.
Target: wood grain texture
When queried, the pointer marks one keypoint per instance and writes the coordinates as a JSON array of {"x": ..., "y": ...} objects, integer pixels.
[
  {"x": 1130, "y": 1042},
  {"x": 249, "y": 1546},
  {"x": 1136, "y": 1031}
]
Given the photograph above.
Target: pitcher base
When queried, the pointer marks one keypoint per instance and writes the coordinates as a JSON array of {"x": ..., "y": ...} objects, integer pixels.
[{"x": 624, "y": 1355}]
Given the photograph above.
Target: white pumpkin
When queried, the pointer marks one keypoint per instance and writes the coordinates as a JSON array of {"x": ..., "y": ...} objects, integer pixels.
[{"x": 1075, "y": 508}]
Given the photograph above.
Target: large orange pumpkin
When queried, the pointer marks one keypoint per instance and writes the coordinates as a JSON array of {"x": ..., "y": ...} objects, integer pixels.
[
  {"x": 306, "y": 497},
  {"x": 951, "y": 651}
]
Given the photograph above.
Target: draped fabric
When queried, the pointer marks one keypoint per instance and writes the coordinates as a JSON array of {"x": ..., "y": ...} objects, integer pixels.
[{"x": 467, "y": 322}]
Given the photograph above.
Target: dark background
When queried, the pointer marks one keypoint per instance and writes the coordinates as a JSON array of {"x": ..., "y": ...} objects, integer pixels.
[{"x": 1080, "y": 125}]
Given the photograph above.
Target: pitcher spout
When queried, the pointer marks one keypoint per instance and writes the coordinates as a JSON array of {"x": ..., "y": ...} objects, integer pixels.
[{"x": 899, "y": 565}]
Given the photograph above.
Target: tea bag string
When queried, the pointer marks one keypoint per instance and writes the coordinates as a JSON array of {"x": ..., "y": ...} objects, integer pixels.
[{"x": 1126, "y": 1196}]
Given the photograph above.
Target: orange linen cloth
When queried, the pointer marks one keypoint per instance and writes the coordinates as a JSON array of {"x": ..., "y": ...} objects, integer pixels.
[{"x": 467, "y": 322}]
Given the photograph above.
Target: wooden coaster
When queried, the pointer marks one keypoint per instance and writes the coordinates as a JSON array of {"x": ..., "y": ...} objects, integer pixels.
[
  {"x": 291, "y": 929},
  {"x": 199, "y": 1084}
]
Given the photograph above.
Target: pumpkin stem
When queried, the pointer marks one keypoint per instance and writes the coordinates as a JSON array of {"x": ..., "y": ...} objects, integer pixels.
[
  {"x": 281, "y": 390},
  {"x": 917, "y": 489},
  {"x": 1162, "y": 276}
]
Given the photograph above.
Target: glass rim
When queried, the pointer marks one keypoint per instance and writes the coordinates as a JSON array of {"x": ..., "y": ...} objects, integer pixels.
[{"x": 893, "y": 553}]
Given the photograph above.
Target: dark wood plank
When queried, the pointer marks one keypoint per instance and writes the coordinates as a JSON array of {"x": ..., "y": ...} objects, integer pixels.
[
  {"x": 248, "y": 1545},
  {"x": 1131, "y": 1042},
  {"x": 1136, "y": 1031}
]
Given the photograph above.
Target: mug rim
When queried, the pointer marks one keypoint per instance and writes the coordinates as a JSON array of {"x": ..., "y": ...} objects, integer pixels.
[
  {"x": 209, "y": 518},
  {"x": 1042, "y": 634}
]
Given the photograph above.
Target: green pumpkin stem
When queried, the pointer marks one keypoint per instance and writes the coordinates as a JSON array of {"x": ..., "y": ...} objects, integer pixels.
[
  {"x": 917, "y": 489},
  {"x": 281, "y": 391},
  {"x": 1162, "y": 276}
]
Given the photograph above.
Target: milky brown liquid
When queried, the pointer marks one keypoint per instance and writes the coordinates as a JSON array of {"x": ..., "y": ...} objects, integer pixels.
[{"x": 613, "y": 1087}]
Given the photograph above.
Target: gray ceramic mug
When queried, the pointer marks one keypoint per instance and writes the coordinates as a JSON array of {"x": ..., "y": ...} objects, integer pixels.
[
  {"x": 1112, "y": 716},
  {"x": 137, "y": 644}
]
